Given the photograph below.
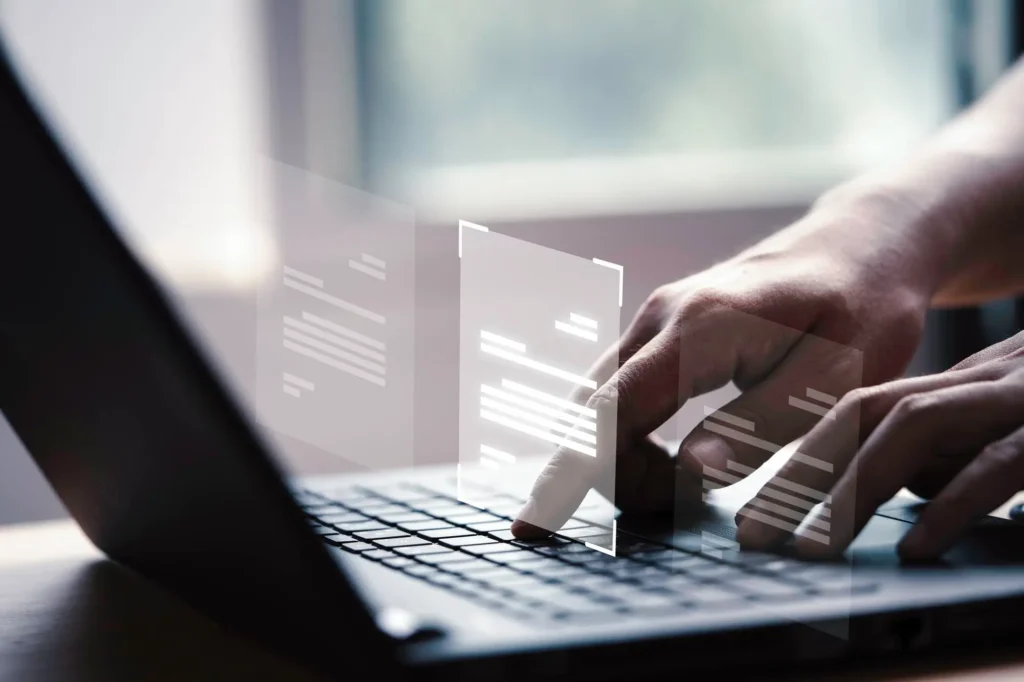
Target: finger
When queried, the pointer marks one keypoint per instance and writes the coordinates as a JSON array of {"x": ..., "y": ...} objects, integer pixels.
[
  {"x": 556, "y": 494},
  {"x": 569, "y": 475},
  {"x": 958, "y": 417},
  {"x": 740, "y": 437},
  {"x": 648, "y": 476},
  {"x": 705, "y": 346},
  {"x": 773, "y": 514},
  {"x": 993, "y": 477},
  {"x": 637, "y": 399}
]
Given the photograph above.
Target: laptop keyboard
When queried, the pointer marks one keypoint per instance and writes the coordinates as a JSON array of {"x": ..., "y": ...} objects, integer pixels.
[{"x": 470, "y": 551}]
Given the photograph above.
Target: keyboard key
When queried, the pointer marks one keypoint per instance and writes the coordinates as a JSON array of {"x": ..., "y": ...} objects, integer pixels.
[
  {"x": 680, "y": 584},
  {"x": 489, "y": 526},
  {"x": 535, "y": 563},
  {"x": 486, "y": 570},
  {"x": 557, "y": 569},
  {"x": 384, "y": 509},
  {"x": 522, "y": 584},
  {"x": 501, "y": 534},
  {"x": 324, "y": 530},
  {"x": 355, "y": 547},
  {"x": 642, "y": 573},
  {"x": 519, "y": 558},
  {"x": 446, "y": 579},
  {"x": 342, "y": 517},
  {"x": 419, "y": 570},
  {"x": 560, "y": 549},
  {"x": 378, "y": 555},
  {"x": 584, "y": 532},
  {"x": 566, "y": 602},
  {"x": 406, "y": 516},
  {"x": 447, "y": 533},
  {"x": 505, "y": 510},
  {"x": 714, "y": 570},
  {"x": 639, "y": 599},
  {"x": 417, "y": 550},
  {"x": 478, "y": 517},
  {"x": 437, "y": 502},
  {"x": 362, "y": 525},
  {"x": 836, "y": 580},
  {"x": 467, "y": 540},
  {"x": 321, "y": 507},
  {"x": 453, "y": 510},
  {"x": 573, "y": 524},
  {"x": 407, "y": 541},
  {"x": 859, "y": 586},
  {"x": 431, "y": 524},
  {"x": 380, "y": 534},
  {"x": 782, "y": 567},
  {"x": 596, "y": 583},
  {"x": 590, "y": 558},
  {"x": 765, "y": 588},
  {"x": 710, "y": 595},
  {"x": 450, "y": 558},
  {"x": 336, "y": 538},
  {"x": 472, "y": 567},
  {"x": 491, "y": 548},
  {"x": 631, "y": 548},
  {"x": 398, "y": 561}
]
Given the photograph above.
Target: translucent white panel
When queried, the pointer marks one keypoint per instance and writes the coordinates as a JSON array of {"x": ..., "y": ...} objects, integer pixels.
[
  {"x": 796, "y": 392},
  {"x": 335, "y": 323},
  {"x": 534, "y": 322}
]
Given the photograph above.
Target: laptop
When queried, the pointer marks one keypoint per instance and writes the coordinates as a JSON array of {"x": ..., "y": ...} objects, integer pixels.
[{"x": 389, "y": 573}]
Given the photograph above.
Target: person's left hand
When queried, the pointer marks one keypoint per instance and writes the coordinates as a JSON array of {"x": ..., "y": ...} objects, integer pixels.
[{"x": 957, "y": 437}]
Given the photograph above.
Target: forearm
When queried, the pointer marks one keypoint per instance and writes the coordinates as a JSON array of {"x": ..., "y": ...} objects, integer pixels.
[{"x": 961, "y": 199}]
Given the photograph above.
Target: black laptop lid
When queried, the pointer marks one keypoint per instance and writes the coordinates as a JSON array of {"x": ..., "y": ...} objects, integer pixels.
[{"x": 133, "y": 431}]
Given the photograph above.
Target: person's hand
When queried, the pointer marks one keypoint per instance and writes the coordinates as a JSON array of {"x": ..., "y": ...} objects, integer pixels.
[
  {"x": 854, "y": 273},
  {"x": 957, "y": 436}
]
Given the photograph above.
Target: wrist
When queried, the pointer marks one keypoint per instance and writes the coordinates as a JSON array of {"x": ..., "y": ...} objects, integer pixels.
[{"x": 914, "y": 214}]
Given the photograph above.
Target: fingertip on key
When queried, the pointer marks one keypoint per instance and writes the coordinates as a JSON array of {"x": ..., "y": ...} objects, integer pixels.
[
  {"x": 752, "y": 534},
  {"x": 527, "y": 531},
  {"x": 916, "y": 546}
]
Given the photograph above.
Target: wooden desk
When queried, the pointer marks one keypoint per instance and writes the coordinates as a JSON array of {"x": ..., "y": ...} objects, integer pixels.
[{"x": 67, "y": 614}]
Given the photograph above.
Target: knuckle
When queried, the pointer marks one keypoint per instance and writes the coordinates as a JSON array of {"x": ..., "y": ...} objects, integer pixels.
[
  {"x": 854, "y": 400},
  {"x": 914, "y": 408},
  {"x": 658, "y": 303},
  {"x": 865, "y": 405},
  {"x": 607, "y": 395},
  {"x": 705, "y": 303}
]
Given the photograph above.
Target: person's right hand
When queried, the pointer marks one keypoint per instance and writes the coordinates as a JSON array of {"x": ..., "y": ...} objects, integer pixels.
[{"x": 852, "y": 272}]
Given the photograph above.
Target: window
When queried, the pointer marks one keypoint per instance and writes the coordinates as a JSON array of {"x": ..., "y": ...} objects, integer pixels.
[{"x": 466, "y": 99}]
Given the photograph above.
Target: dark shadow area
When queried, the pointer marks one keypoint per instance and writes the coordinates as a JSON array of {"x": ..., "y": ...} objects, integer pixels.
[{"x": 99, "y": 621}]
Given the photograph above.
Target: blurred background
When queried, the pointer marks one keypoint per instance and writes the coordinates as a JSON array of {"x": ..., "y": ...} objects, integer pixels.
[{"x": 663, "y": 135}]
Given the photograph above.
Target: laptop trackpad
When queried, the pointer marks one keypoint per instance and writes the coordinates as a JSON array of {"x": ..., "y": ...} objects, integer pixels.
[{"x": 989, "y": 542}]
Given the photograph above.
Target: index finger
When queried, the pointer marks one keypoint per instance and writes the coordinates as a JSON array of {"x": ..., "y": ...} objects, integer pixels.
[
  {"x": 638, "y": 398},
  {"x": 570, "y": 475}
]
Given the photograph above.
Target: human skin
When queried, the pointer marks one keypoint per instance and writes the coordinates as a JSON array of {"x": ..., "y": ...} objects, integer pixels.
[{"x": 943, "y": 227}]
